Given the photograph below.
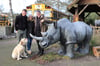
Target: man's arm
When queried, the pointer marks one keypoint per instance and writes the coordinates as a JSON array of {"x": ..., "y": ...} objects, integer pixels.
[
  {"x": 46, "y": 21},
  {"x": 16, "y": 23}
]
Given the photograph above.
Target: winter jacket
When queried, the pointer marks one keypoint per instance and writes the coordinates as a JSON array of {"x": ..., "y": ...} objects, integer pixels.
[
  {"x": 30, "y": 28},
  {"x": 20, "y": 22},
  {"x": 40, "y": 26}
]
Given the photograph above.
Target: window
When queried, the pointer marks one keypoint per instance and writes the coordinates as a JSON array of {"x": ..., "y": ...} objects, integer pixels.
[
  {"x": 29, "y": 12},
  {"x": 47, "y": 13},
  {"x": 54, "y": 15},
  {"x": 35, "y": 13},
  {"x": 2, "y": 18}
]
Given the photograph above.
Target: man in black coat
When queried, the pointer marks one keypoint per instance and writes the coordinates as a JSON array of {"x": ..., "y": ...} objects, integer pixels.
[
  {"x": 21, "y": 24},
  {"x": 37, "y": 31}
]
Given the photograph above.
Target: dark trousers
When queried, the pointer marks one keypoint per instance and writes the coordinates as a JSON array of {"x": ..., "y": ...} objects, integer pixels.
[
  {"x": 41, "y": 50},
  {"x": 21, "y": 34}
]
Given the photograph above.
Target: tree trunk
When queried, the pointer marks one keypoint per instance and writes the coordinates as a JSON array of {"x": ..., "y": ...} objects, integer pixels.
[{"x": 11, "y": 15}]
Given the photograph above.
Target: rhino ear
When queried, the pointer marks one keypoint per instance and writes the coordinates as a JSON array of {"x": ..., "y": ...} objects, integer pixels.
[
  {"x": 55, "y": 24},
  {"x": 44, "y": 33}
]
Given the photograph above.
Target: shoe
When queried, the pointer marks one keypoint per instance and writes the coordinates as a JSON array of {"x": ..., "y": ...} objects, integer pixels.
[
  {"x": 29, "y": 52},
  {"x": 40, "y": 53}
]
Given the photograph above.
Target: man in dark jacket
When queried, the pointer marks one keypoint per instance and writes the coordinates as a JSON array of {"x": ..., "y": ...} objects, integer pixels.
[
  {"x": 21, "y": 24},
  {"x": 38, "y": 29}
]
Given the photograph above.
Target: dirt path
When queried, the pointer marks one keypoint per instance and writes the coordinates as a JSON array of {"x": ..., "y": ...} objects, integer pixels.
[
  {"x": 84, "y": 61},
  {"x": 7, "y": 45}
]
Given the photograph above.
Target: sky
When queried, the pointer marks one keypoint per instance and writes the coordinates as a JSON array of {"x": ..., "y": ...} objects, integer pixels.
[{"x": 17, "y": 5}]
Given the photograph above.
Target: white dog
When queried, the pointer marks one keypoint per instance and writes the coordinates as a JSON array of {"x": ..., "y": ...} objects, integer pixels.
[{"x": 19, "y": 50}]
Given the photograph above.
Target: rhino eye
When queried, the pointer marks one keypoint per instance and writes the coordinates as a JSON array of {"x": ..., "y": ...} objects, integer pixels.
[
  {"x": 42, "y": 40},
  {"x": 50, "y": 37}
]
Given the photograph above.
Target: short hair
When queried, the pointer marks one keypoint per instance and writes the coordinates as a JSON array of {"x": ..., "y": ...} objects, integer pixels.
[
  {"x": 24, "y": 10},
  {"x": 39, "y": 11}
]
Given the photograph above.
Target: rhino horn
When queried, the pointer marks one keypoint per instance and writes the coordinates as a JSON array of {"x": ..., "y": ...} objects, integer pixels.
[
  {"x": 44, "y": 33},
  {"x": 37, "y": 38}
]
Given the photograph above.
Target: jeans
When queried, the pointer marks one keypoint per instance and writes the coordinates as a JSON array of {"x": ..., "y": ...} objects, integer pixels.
[{"x": 29, "y": 43}]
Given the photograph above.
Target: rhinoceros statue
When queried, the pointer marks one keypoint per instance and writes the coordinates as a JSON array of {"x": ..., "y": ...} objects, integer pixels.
[{"x": 68, "y": 34}]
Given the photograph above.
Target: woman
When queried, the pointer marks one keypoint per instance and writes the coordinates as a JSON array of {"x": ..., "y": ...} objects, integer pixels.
[{"x": 30, "y": 29}]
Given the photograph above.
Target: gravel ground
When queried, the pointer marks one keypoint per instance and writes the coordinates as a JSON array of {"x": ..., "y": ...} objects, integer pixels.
[{"x": 7, "y": 45}]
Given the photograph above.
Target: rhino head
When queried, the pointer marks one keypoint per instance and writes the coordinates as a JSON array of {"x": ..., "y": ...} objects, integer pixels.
[{"x": 51, "y": 36}]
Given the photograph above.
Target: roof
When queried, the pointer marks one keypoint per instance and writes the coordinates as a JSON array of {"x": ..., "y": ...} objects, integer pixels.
[
  {"x": 81, "y": 3},
  {"x": 89, "y": 2},
  {"x": 73, "y": 4}
]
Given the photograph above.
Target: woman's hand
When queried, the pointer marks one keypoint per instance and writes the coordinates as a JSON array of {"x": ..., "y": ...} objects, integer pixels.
[
  {"x": 16, "y": 31},
  {"x": 42, "y": 20}
]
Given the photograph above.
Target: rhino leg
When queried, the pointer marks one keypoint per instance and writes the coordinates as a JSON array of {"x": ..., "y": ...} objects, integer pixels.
[
  {"x": 87, "y": 47},
  {"x": 69, "y": 50},
  {"x": 85, "y": 44},
  {"x": 84, "y": 49},
  {"x": 79, "y": 47},
  {"x": 62, "y": 50}
]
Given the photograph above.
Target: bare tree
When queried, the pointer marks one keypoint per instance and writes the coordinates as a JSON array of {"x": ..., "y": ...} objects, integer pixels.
[
  {"x": 11, "y": 11},
  {"x": 57, "y": 4},
  {"x": 11, "y": 14}
]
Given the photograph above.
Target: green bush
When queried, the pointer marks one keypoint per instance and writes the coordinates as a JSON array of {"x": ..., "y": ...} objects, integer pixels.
[{"x": 91, "y": 18}]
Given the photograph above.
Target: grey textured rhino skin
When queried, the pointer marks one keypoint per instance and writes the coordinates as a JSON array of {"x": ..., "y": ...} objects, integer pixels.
[{"x": 68, "y": 34}]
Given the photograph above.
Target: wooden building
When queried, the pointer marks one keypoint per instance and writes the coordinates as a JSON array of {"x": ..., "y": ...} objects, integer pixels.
[{"x": 80, "y": 7}]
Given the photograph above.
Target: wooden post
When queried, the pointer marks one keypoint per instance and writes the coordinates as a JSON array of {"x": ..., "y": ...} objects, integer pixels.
[
  {"x": 98, "y": 5},
  {"x": 82, "y": 16},
  {"x": 76, "y": 16},
  {"x": 58, "y": 10},
  {"x": 83, "y": 9}
]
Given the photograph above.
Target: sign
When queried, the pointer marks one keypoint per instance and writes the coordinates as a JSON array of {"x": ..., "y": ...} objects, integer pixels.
[{"x": 37, "y": 6}]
